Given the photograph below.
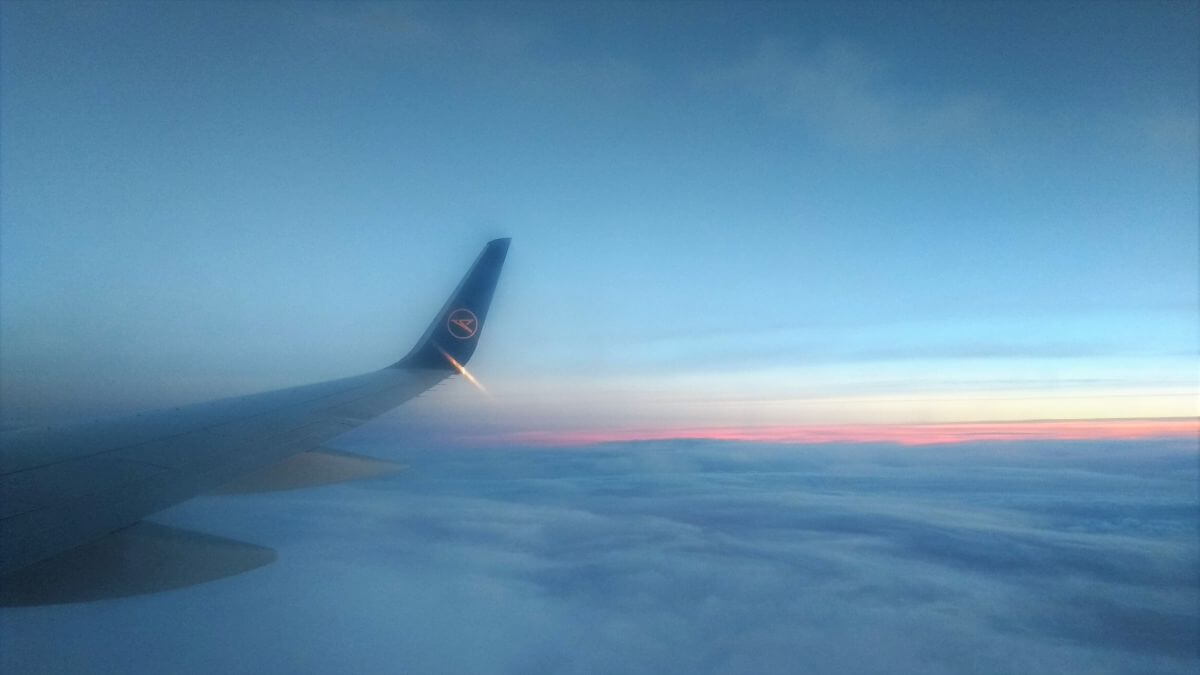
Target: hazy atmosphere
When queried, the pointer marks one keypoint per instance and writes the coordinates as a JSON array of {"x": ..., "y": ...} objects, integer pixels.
[{"x": 833, "y": 337}]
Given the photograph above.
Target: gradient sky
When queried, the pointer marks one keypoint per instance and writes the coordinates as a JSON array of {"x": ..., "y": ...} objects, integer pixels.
[{"x": 749, "y": 221}]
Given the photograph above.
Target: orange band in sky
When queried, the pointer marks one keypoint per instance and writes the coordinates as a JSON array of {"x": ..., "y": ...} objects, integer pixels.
[{"x": 903, "y": 434}]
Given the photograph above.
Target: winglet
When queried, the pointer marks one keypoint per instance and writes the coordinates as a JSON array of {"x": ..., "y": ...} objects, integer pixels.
[{"x": 456, "y": 328}]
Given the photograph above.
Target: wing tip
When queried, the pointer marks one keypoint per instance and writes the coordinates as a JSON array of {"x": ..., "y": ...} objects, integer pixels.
[{"x": 454, "y": 332}]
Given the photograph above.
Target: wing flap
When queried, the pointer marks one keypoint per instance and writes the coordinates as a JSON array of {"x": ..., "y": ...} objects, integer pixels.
[{"x": 143, "y": 558}]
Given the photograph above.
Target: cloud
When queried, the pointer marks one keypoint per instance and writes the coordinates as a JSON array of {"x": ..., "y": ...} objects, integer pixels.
[
  {"x": 485, "y": 47},
  {"x": 847, "y": 95},
  {"x": 398, "y": 26},
  {"x": 992, "y": 336},
  {"x": 686, "y": 557}
]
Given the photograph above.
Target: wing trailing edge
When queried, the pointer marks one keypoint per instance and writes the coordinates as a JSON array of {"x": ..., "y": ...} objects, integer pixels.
[{"x": 142, "y": 558}]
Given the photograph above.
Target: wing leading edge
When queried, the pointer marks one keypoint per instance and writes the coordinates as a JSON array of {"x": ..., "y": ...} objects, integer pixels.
[{"x": 61, "y": 488}]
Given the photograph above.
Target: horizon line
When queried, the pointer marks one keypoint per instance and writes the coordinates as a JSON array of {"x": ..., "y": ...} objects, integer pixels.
[{"x": 906, "y": 434}]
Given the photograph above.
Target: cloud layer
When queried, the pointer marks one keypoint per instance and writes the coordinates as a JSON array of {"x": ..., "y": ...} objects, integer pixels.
[{"x": 685, "y": 557}]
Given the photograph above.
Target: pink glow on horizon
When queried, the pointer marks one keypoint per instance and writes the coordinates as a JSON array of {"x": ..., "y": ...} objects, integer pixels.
[{"x": 903, "y": 434}]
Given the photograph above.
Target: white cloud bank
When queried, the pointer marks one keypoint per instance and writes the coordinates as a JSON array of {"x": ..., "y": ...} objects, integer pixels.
[{"x": 684, "y": 558}]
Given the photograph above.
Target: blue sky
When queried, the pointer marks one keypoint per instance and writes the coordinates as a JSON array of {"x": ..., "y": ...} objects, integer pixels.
[{"x": 749, "y": 215}]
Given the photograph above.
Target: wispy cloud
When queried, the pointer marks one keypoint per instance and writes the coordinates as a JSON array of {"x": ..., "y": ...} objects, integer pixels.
[
  {"x": 845, "y": 94},
  {"x": 996, "y": 336},
  {"x": 485, "y": 47},
  {"x": 407, "y": 26}
]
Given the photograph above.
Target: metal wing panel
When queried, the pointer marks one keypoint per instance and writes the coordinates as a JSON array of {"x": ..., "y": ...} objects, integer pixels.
[
  {"x": 30, "y": 448},
  {"x": 84, "y": 497}
]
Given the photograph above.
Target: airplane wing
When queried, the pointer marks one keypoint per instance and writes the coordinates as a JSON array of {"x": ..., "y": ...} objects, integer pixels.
[{"x": 65, "y": 491}]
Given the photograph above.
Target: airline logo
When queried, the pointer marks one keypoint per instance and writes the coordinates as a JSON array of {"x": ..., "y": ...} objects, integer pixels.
[{"x": 462, "y": 324}]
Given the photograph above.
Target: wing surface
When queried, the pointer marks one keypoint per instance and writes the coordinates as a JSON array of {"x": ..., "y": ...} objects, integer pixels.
[{"x": 64, "y": 487}]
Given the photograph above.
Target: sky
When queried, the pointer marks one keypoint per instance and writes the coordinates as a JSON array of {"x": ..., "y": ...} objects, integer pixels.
[
  {"x": 833, "y": 337},
  {"x": 849, "y": 221}
]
